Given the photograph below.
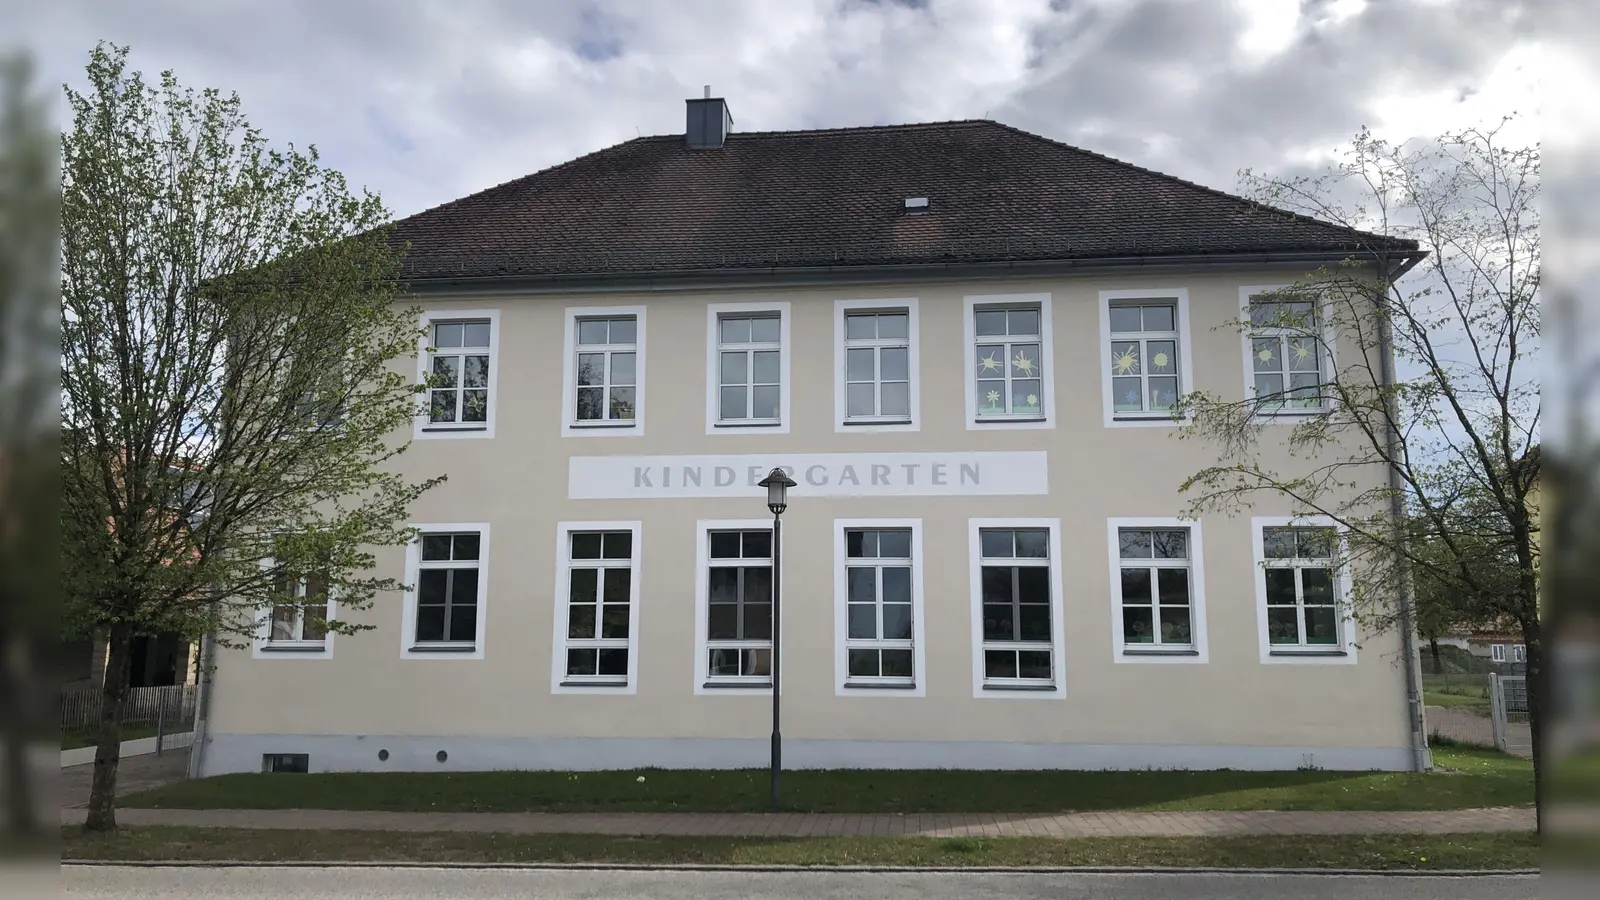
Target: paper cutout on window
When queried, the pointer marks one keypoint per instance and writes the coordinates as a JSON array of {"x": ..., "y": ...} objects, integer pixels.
[
  {"x": 1265, "y": 356},
  {"x": 993, "y": 397},
  {"x": 1023, "y": 364},
  {"x": 1033, "y": 399},
  {"x": 1301, "y": 351},
  {"x": 1126, "y": 363},
  {"x": 1160, "y": 359},
  {"x": 989, "y": 362}
]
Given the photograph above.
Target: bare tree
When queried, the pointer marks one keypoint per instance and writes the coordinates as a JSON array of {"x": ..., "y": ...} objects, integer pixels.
[{"x": 1410, "y": 383}]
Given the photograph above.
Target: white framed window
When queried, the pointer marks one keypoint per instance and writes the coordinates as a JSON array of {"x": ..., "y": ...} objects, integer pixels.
[
  {"x": 876, "y": 365},
  {"x": 1286, "y": 351},
  {"x": 447, "y": 588},
  {"x": 597, "y": 611},
  {"x": 1144, "y": 355},
  {"x": 878, "y": 643},
  {"x": 297, "y": 626},
  {"x": 1157, "y": 590},
  {"x": 603, "y": 389},
  {"x": 1009, "y": 361},
  {"x": 1302, "y": 590},
  {"x": 1016, "y": 608},
  {"x": 1497, "y": 653},
  {"x": 733, "y": 606},
  {"x": 1519, "y": 653},
  {"x": 459, "y": 360},
  {"x": 747, "y": 365}
]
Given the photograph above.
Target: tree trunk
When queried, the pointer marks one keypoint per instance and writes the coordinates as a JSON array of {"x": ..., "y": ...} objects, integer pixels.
[
  {"x": 113, "y": 698},
  {"x": 21, "y": 817},
  {"x": 1433, "y": 648}
]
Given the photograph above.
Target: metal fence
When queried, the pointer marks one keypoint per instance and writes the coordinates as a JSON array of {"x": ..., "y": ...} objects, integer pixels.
[
  {"x": 147, "y": 712},
  {"x": 1508, "y": 707}
]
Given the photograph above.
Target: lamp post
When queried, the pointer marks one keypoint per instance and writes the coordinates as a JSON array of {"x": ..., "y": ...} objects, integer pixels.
[{"x": 777, "y": 485}]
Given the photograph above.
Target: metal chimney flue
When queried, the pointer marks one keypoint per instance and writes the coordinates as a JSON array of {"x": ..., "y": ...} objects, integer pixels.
[{"x": 708, "y": 122}]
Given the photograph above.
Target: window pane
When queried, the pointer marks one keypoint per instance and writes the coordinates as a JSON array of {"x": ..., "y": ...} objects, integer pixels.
[
  {"x": 1270, "y": 388},
  {"x": 580, "y": 620},
  {"x": 896, "y": 363},
  {"x": 1303, "y": 354},
  {"x": 991, "y": 360},
  {"x": 431, "y": 585},
  {"x": 585, "y": 545},
  {"x": 724, "y": 545},
  {"x": 1317, "y": 586},
  {"x": 1125, "y": 318},
  {"x": 734, "y": 370},
  {"x": 1033, "y": 543},
  {"x": 474, "y": 406},
  {"x": 1136, "y": 586},
  {"x": 852, "y": 544},
  {"x": 733, "y": 405},
  {"x": 722, "y": 622},
  {"x": 614, "y": 621},
  {"x": 591, "y": 403},
  {"x": 622, "y": 368},
  {"x": 583, "y": 586},
  {"x": 475, "y": 373},
  {"x": 863, "y": 621},
  {"x": 1137, "y": 625},
  {"x": 999, "y": 664},
  {"x": 435, "y": 546},
  {"x": 998, "y": 622},
  {"x": 1158, "y": 318},
  {"x": 897, "y": 621},
  {"x": 1280, "y": 587},
  {"x": 1023, "y": 322},
  {"x": 1162, "y": 357},
  {"x": 735, "y": 330},
  {"x": 757, "y": 584},
  {"x": 1171, "y": 544},
  {"x": 1277, "y": 543},
  {"x": 1163, "y": 393},
  {"x": 1266, "y": 313},
  {"x": 1127, "y": 395},
  {"x": 1025, "y": 396},
  {"x": 1174, "y": 586},
  {"x": 619, "y": 545},
  {"x": 1321, "y": 627},
  {"x": 896, "y": 399},
  {"x": 624, "y": 330},
  {"x": 1175, "y": 625},
  {"x": 724, "y": 662},
  {"x": 430, "y": 623},
  {"x": 580, "y": 662},
  {"x": 1125, "y": 358},
  {"x": 894, "y": 544},
  {"x": 860, "y": 328},
  {"x": 1134, "y": 544},
  {"x": 859, "y": 365},
  {"x": 1033, "y": 664},
  {"x": 996, "y": 581},
  {"x": 864, "y": 663},
  {"x": 1035, "y": 622},
  {"x": 465, "y": 546},
  {"x": 861, "y": 584},
  {"x": 442, "y": 406},
  {"x": 445, "y": 371},
  {"x": 1025, "y": 361},
  {"x": 757, "y": 544},
  {"x": 757, "y": 662},
  {"x": 991, "y": 321},
  {"x": 897, "y": 584},
  {"x": 894, "y": 325},
  {"x": 447, "y": 334},
  {"x": 764, "y": 402},
  {"x": 723, "y": 585},
  {"x": 614, "y": 661},
  {"x": 618, "y": 586},
  {"x": 765, "y": 330},
  {"x": 1033, "y": 585},
  {"x": 284, "y": 619},
  {"x": 1305, "y": 389},
  {"x": 996, "y": 543},
  {"x": 766, "y": 369},
  {"x": 858, "y": 398},
  {"x": 897, "y": 663},
  {"x": 869, "y": 544},
  {"x": 1267, "y": 355},
  {"x": 1315, "y": 543},
  {"x": 314, "y": 623},
  {"x": 622, "y": 403},
  {"x": 463, "y": 624},
  {"x": 591, "y": 369},
  {"x": 592, "y": 331},
  {"x": 991, "y": 398},
  {"x": 1283, "y": 625},
  {"x": 464, "y": 586}
]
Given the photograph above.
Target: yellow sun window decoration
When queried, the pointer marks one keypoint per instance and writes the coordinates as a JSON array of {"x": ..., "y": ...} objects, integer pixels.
[
  {"x": 1265, "y": 356},
  {"x": 1160, "y": 360},
  {"x": 1126, "y": 362},
  {"x": 1023, "y": 364},
  {"x": 990, "y": 364},
  {"x": 1301, "y": 351}
]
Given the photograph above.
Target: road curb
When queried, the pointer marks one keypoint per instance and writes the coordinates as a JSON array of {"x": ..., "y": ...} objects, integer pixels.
[{"x": 698, "y": 867}]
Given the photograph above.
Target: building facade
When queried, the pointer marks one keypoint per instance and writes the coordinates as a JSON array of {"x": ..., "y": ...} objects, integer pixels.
[{"x": 983, "y": 563}]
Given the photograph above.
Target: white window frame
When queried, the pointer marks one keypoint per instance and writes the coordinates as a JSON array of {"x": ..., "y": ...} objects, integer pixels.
[
  {"x": 1519, "y": 653},
  {"x": 570, "y": 424},
  {"x": 1197, "y": 651},
  {"x": 1179, "y": 298},
  {"x": 424, "y": 430},
  {"x": 1248, "y": 333},
  {"x": 1058, "y": 689},
  {"x": 264, "y": 647},
  {"x": 1497, "y": 653},
  {"x": 714, "y": 314},
  {"x": 560, "y": 681},
  {"x": 843, "y": 685},
  {"x": 408, "y": 618},
  {"x": 1342, "y": 653},
  {"x": 970, "y": 306},
  {"x": 702, "y": 586},
  {"x": 842, "y": 309}
]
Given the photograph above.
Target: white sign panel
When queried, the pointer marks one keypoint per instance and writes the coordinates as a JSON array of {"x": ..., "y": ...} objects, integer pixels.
[{"x": 815, "y": 474}]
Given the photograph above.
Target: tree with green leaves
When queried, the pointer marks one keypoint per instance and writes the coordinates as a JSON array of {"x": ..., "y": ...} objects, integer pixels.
[
  {"x": 233, "y": 380},
  {"x": 1412, "y": 393}
]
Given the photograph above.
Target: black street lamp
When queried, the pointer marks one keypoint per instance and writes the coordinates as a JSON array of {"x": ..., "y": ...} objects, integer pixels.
[{"x": 777, "y": 485}]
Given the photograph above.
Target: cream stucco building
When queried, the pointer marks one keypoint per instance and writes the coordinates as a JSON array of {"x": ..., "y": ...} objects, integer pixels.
[{"x": 961, "y": 341}]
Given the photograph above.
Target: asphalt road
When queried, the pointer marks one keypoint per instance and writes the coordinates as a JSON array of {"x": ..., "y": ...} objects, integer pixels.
[{"x": 482, "y": 884}]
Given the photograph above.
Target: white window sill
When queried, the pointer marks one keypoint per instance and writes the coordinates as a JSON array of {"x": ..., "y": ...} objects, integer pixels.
[
  {"x": 441, "y": 427},
  {"x": 738, "y": 685},
  {"x": 881, "y": 686},
  {"x": 443, "y": 648},
  {"x": 1160, "y": 651},
  {"x": 863, "y": 421},
  {"x": 1003, "y": 420},
  {"x": 604, "y": 423},
  {"x": 1306, "y": 651},
  {"x": 294, "y": 647},
  {"x": 754, "y": 424},
  {"x": 1021, "y": 686},
  {"x": 603, "y": 683}
]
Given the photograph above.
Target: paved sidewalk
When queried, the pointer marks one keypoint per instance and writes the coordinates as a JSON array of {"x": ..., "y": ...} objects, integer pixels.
[{"x": 1097, "y": 824}]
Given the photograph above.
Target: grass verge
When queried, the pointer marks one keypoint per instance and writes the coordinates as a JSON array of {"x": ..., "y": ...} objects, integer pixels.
[
  {"x": 1456, "y": 701},
  {"x": 1463, "y": 779},
  {"x": 1399, "y": 852},
  {"x": 73, "y": 740}
]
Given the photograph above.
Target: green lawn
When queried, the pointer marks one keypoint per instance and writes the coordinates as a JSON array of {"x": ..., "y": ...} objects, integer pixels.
[
  {"x": 1441, "y": 698},
  {"x": 1466, "y": 778},
  {"x": 1395, "y": 852}
]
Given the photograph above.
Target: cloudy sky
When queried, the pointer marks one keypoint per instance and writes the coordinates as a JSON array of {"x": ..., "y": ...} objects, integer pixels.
[{"x": 428, "y": 100}]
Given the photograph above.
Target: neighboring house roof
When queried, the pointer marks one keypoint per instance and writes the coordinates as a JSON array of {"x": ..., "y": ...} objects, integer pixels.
[{"x": 836, "y": 198}]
